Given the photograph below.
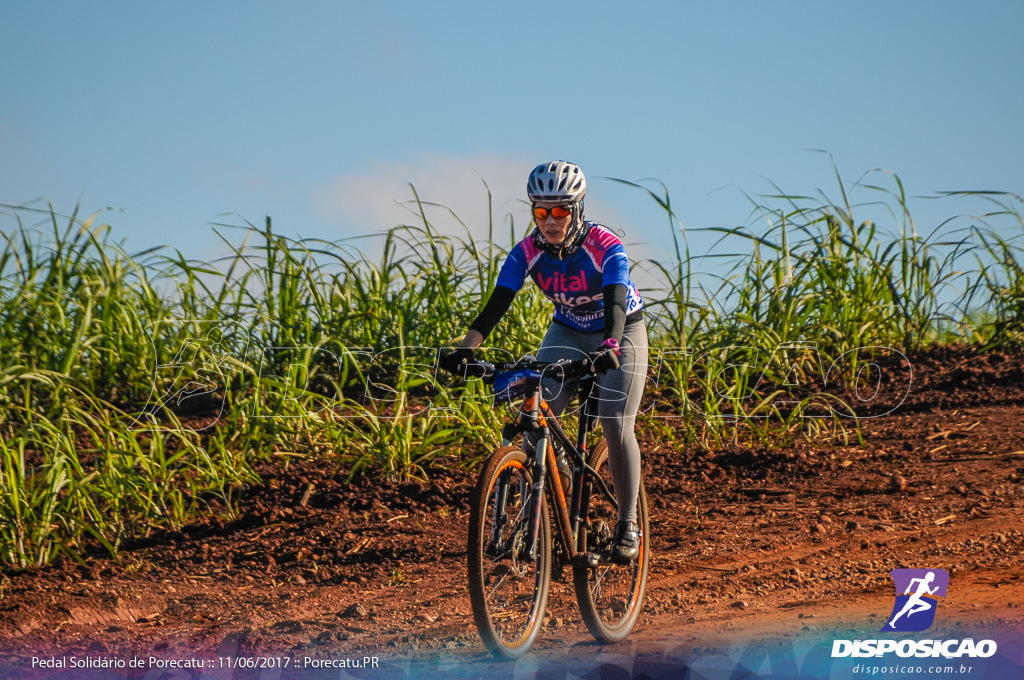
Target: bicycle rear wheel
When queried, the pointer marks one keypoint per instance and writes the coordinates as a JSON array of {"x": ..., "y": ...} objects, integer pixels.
[
  {"x": 508, "y": 591},
  {"x": 610, "y": 595}
]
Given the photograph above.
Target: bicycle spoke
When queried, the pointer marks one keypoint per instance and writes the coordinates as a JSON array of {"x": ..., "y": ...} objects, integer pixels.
[
  {"x": 496, "y": 586},
  {"x": 507, "y": 592},
  {"x": 610, "y": 595}
]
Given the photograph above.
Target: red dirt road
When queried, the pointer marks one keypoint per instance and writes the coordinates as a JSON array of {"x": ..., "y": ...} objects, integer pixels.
[{"x": 752, "y": 549}]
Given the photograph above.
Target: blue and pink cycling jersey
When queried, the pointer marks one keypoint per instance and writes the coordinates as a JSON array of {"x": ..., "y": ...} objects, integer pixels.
[{"x": 576, "y": 283}]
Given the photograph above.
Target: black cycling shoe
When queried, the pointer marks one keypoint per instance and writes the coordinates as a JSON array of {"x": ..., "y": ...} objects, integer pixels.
[{"x": 626, "y": 544}]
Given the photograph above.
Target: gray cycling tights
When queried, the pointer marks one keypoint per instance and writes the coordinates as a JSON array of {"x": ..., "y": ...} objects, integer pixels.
[{"x": 621, "y": 391}]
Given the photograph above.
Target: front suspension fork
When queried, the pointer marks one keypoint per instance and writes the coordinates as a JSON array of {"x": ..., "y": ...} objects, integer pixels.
[{"x": 529, "y": 551}]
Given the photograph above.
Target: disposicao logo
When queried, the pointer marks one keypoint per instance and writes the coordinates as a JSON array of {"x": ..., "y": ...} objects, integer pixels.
[
  {"x": 914, "y": 611},
  {"x": 916, "y": 590}
]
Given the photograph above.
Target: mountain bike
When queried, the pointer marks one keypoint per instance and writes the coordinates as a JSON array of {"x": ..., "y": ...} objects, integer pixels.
[{"x": 510, "y": 536}]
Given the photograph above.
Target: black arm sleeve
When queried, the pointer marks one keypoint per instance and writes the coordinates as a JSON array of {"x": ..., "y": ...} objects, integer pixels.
[
  {"x": 614, "y": 311},
  {"x": 499, "y": 302}
]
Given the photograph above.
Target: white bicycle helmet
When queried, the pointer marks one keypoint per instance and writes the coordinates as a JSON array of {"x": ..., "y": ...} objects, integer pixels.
[{"x": 557, "y": 181}]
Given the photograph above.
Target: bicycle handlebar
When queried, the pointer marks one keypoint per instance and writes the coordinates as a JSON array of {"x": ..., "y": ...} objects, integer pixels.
[{"x": 564, "y": 368}]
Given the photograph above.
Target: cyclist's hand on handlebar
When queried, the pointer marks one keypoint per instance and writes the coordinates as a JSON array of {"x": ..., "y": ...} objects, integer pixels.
[
  {"x": 457, "y": 360},
  {"x": 605, "y": 358}
]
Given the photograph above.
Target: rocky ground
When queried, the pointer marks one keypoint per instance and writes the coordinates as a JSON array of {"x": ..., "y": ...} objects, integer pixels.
[{"x": 747, "y": 542}]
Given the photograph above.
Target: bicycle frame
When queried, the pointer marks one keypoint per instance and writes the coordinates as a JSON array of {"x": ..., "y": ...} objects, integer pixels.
[{"x": 537, "y": 417}]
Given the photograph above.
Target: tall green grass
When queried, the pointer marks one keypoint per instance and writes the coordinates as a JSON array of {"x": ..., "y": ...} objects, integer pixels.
[
  {"x": 138, "y": 390},
  {"x": 811, "y": 285}
]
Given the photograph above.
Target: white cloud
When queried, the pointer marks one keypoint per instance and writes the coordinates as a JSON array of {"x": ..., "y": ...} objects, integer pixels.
[{"x": 381, "y": 197}]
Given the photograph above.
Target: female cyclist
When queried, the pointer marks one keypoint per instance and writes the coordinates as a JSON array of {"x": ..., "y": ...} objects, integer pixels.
[{"x": 583, "y": 269}]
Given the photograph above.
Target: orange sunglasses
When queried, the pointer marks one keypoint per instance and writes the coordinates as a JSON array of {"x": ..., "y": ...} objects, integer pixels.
[{"x": 558, "y": 212}]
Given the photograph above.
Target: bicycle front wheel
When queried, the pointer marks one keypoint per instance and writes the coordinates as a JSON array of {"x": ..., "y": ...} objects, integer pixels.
[
  {"x": 610, "y": 595},
  {"x": 508, "y": 587}
]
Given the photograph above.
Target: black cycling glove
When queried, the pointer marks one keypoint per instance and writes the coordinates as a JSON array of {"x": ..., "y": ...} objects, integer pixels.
[
  {"x": 456, "y": 360},
  {"x": 606, "y": 358}
]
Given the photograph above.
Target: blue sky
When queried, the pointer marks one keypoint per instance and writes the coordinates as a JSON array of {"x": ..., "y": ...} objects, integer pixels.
[{"x": 320, "y": 114}]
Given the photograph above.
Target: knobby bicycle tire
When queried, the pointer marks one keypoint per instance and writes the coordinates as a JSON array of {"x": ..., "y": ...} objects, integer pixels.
[
  {"x": 508, "y": 593},
  {"x": 610, "y": 595}
]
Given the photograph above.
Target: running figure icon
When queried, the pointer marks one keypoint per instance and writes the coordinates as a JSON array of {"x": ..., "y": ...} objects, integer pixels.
[
  {"x": 917, "y": 590},
  {"x": 916, "y": 603},
  {"x": 200, "y": 367}
]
